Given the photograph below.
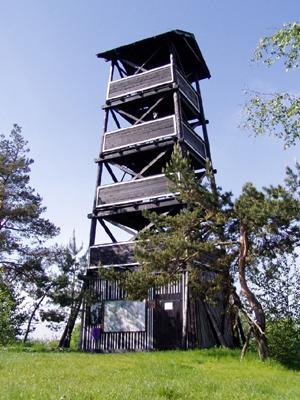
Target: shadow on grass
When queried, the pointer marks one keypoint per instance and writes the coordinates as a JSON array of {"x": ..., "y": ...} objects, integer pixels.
[{"x": 290, "y": 364}]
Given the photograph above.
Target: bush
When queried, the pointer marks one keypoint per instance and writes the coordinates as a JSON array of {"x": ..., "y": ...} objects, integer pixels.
[
  {"x": 74, "y": 345},
  {"x": 284, "y": 340},
  {"x": 10, "y": 318}
]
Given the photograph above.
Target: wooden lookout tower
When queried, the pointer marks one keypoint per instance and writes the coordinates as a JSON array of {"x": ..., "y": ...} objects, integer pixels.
[{"x": 153, "y": 100}]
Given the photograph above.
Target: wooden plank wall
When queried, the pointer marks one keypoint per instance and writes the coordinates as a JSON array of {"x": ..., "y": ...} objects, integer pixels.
[
  {"x": 132, "y": 84},
  {"x": 200, "y": 332},
  {"x": 138, "y": 189},
  {"x": 113, "y": 341},
  {"x": 194, "y": 141},
  {"x": 139, "y": 133},
  {"x": 187, "y": 89},
  {"x": 112, "y": 254}
]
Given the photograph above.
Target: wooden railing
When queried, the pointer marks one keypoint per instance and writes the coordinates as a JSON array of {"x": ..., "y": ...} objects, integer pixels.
[
  {"x": 194, "y": 141},
  {"x": 140, "y": 134},
  {"x": 152, "y": 79},
  {"x": 116, "y": 254},
  {"x": 143, "y": 81},
  {"x": 135, "y": 191}
]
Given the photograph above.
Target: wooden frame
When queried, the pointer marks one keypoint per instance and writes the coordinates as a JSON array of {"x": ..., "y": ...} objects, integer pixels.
[{"x": 141, "y": 150}]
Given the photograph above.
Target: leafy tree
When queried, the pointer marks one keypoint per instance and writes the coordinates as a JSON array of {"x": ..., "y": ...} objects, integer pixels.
[
  {"x": 283, "y": 45},
  {"x": 278, "y": 113},
  {"x": 23, "y": 231},
  {"x": 284, "y": 340},
  {"x": 250, "y": 234}
]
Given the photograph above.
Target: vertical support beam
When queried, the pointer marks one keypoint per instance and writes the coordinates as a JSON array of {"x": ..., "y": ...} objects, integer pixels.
[
  {"x": 98, "y": 182},
  {"x": 203, "y": 122},
  {"x": 205, "y": 136},
  {"x": 94, "y": 219},
  {"x": 176, "y": 99},
  {"x": 185, "y": 284},
  {"x": 110, "y": 77}
]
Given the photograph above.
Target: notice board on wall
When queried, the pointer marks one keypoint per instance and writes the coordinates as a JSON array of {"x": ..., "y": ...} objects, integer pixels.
[{"x": 124, "y": 316}]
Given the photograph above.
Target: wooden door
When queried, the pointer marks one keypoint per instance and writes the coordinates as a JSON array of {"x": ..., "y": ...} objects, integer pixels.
[{"x": 167, "y": 322}]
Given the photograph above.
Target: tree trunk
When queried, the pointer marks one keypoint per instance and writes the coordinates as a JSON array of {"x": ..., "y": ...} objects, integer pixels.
[
  {"x": 65, "y": 339},
  {"x": 259, "y": 327},
  {"x": 36, "y": 307},
  {"x": 246, "y": 344}
]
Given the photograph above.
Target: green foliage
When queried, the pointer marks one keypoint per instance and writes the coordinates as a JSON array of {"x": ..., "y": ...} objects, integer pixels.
[
  {"x": 252, "y": 240},
  {"x": 66, "y": 284},
  {"x": 284, "y": 341},
  {"x": 10, "y": 317},
  {"x": 271, "y": 215},
  {"x": 280, "y": 280},
  {"x": 192, "y": 375},
  {"x": 177, "y": 243},
  {"x": 276, "y": 114},
  {"x": 75, "y": 337},
  {"x": 22, "y": 229},
  {"x": 32, "y": 346},
  {"x": 7, "y": 303},
  {"x": 284, "y": 44}
]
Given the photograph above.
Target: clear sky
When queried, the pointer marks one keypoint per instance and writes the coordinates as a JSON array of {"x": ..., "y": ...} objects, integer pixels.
[{"x": 52, "y": 85}]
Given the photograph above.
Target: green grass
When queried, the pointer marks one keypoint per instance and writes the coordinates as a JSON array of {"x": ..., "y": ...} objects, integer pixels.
[{"x": 199, "y": 374}]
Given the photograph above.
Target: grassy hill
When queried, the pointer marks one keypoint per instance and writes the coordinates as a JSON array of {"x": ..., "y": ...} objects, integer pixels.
[{"x": 199, "y": 374}]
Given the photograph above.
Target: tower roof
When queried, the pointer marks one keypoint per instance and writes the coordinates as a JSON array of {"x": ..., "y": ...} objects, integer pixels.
[{"x": 156, "y": 49}]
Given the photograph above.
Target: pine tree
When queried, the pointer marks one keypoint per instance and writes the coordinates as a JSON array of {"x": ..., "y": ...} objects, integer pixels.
[
  {"x": 243, "y": 237},
  {"x": 23, "y": 231}
]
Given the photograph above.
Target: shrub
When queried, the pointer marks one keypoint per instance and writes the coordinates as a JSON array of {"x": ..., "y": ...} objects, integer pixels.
[{"x": 284, "y": 340}]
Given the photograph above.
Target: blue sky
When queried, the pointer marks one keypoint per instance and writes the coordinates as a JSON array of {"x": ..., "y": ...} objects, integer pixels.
[{"x": 52, "y": 85}]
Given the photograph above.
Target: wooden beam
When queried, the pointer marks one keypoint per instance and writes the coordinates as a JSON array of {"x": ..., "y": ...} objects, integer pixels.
[
  {"x": 125, "y": 169},
  {"x": 111, "y": 172},
  {"x": 148, "y": 111},
  {"x": 214, "y": 325},
  {"x": 177, "y": 104},
  {"x": 198, "y": 123},
  {"x": 146, "y": 62},
  {"x": 192, "y": 50},
  {"x": 122, "y": 112},
  {"x": 114, "y": 102},
  {"x": 98, "y": 183},
  {"x": 149, "y": 226},
  {"x": 123, "y": 176},
  {"x": 185, "y": 285},
  {"x": 143, "y": 147},
  {"x": 111, "y": 72},
  {"x": 124, "y": 228},
  {"x": 178, "y": 59},
  {"x": 122, "y": 72},
  {"x": 203, "y": 120},
  {"x": 151, "y": 163},
  {"x": 131, "y": 64},
  {"x": 107, "y": 230},
  {"x": 115, "y": 118}
]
